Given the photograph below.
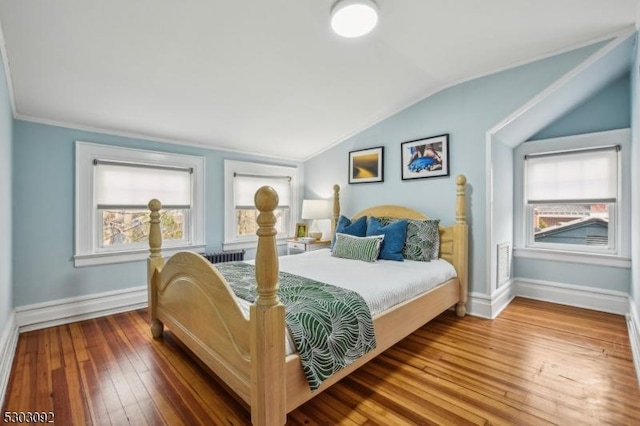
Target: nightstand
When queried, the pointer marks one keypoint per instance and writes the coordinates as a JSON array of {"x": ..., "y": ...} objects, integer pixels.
[{"x": 299, "y": 246}]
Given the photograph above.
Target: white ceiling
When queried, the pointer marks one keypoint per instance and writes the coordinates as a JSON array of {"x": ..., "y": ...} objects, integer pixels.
[{"x": 268, "y": 77}]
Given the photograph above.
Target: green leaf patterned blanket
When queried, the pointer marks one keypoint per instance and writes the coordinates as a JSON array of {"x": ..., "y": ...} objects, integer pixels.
[{"x": 330, "y": 326}]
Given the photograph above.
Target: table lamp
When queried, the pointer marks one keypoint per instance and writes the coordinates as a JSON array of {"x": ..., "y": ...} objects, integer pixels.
[{"x": 315, "y": 209}]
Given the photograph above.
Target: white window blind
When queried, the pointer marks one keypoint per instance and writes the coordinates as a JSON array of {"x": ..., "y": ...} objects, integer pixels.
[
  {"x": 590, "y": 177},
  {"x": 241, "y": 182},
  {"x": 127, "y": 185},
  {"x": 246, "y": 186}
]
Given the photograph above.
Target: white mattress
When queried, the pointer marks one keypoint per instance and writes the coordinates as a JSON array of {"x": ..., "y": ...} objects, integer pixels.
[{"x": 382, "y": 284}]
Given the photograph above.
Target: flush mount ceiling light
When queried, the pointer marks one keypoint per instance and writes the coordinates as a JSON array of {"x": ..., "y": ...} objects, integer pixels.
[{"x": 353, "y": 18}]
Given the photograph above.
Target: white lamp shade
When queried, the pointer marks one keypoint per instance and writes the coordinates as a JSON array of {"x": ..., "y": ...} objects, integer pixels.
[
  {"x": 315, "y": 209},
  {"x": 354, "y": 18}
]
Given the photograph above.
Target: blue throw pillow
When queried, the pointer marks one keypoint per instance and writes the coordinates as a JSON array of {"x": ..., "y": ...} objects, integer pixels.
[
  {"x": 357, "y": 228},
  {"x": 394, "y": 237}
]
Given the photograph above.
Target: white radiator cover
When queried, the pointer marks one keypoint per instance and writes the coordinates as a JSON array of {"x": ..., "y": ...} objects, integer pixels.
[{"x": 504, "y": 263}]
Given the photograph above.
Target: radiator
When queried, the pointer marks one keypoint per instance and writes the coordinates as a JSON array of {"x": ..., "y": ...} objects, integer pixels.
[{"x": 225, "y": 256}]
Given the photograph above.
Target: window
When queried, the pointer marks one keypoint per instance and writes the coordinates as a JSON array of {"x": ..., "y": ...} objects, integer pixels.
[
  {"x": 572, "y": 199},
  {"x": 242, "y": 180},
  {"x": 245, "y": 187},
  {"x": 113, "y": 187}
]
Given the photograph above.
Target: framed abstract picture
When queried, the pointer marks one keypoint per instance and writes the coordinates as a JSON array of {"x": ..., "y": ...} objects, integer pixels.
[
  {"x": 366, "y": 165},
  {"x": 424, "y": 158}
]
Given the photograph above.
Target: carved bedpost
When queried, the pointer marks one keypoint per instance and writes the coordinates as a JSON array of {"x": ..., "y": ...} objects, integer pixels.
[
  {"x": 155, "y": 262},
  {"x": 268, "y": 391},
  {"x": 461, "y": 244},
  {"x": 336, "y": 210}
]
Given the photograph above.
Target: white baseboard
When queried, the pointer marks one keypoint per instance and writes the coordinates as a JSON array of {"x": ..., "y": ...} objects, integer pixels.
[
  {"x": 8, "y": 343},
  {"x": 482, "y": 305},
  {"x": 615, "y": 302},
  {"x": 633, "y": 324},
  {"x": 65, "y": 311}
]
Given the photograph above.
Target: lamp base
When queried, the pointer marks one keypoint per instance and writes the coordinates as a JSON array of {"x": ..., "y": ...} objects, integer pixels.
[{"x": 316, "y": 235}]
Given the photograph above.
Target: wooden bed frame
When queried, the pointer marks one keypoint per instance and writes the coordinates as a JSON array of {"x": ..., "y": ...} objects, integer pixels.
[{"x": 191, "y": 297}]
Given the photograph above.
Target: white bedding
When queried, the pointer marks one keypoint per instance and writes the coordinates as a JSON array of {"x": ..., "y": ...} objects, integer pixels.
[{"x": 381, "y": 284}]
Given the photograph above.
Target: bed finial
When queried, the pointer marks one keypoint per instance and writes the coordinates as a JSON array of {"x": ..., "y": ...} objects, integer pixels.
[
  {"x": 267, "y": 321},
  {"x": 155, "y": 235},
  {"x": 461, "y": 215},
  {"x": 154, "y": 263},
  {"x": 461, "y": 243},
  {"x": 266, "y": 201},
  {"x": 336, "y": 209}
]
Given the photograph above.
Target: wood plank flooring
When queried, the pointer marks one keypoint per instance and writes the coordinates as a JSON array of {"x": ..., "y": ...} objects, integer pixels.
[{"x": 537, "y": 364}]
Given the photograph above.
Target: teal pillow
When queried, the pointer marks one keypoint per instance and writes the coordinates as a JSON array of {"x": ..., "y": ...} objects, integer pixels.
[
  {"x": 357, "y": 228},
  {"x": 394, "y": 236},
  {"x": 423, "y": 240},
  {"x": 357, "y": 248}
]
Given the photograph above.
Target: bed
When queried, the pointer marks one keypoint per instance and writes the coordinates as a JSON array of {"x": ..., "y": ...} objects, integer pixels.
[{"x": 191, "y": 297}]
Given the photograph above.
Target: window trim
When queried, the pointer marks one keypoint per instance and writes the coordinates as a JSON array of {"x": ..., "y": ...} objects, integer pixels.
[
  {"x": 87, "y": 251},
  {"x": 622, "y": 244},
  {"x": 250, "y": 168},
  {"x": 613, "y": 261}
]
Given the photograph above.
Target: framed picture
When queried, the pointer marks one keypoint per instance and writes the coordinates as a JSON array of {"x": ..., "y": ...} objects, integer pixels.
[
  {"x": 301, "y": 230},
  {"x": 424, "y": 158},
  {"x": 366, "y": 165}
]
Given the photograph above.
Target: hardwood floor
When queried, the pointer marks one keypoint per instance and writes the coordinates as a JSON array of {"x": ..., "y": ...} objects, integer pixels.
[{"x": 537, "y": 364}]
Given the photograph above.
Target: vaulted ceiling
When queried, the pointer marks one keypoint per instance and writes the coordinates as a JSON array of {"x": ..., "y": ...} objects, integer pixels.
[{"x": 268, "y": 77}]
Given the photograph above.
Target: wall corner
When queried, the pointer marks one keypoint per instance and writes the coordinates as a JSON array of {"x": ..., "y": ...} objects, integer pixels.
[
  {"x": 633, "y": 324},
  {"x": 8, "y": 344}
]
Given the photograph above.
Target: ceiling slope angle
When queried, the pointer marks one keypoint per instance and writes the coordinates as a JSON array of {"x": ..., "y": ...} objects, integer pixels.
[
  {"x": 609, "y": 63},
  {"x": 273, "y": 79}
]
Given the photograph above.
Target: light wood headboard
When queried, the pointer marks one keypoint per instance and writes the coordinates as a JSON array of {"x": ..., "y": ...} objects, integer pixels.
[{"x": 454, "y": 239}]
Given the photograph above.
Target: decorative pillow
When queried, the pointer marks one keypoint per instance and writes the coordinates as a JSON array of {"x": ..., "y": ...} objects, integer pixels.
[
  {"x": 394, "y": 233},
  {"x": 423, "y": 240},
  {"x": 357, "y": 248},
  {"x": 357, "y": 228}
]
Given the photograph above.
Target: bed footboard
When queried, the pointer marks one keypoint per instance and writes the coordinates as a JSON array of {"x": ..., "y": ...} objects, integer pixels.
[{"x": 193, "y": 299}]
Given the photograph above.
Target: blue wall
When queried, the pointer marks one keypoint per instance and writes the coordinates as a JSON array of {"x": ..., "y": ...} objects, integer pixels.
[
  {"x": 602, "y": 277},
  {"x": 635, "y": 177},
  {"x": 6, "y": 179},
  {"x": 465, "y": 111},
  {"x": 43, "y": 212},
  {"x": 609, "y": 109}
]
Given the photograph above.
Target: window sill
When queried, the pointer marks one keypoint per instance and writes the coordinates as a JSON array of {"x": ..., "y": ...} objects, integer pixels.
[
  {"x": 95, "y": 259},
  {"x": 613, "y": 261},
  {"x": 253, "y": 244}
]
